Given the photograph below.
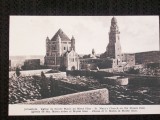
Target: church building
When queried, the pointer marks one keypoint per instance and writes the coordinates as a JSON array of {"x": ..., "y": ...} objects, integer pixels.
[
  {"x": 113, "y": 50},
  {"x": 60, "y": 52}
]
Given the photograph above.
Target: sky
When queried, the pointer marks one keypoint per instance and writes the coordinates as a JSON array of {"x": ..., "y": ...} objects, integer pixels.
[{"x": 28, "y": 34}]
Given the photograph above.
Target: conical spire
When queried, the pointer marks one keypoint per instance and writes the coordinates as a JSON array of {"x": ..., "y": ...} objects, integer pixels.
[{"x": 72, "y": 43}]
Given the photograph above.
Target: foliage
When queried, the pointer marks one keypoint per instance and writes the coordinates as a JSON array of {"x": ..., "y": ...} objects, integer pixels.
[
  {"x": 62, "y": 68},
  {"x": 44, "y": 86},
  {"x": 133, "y": 71},
  {"x": 53, "y": 87},
  {"x": 18, "y": 72}
]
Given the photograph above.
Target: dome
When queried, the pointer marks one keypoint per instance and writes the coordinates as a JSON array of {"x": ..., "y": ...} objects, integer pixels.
[{"x": 114, "y": 20}]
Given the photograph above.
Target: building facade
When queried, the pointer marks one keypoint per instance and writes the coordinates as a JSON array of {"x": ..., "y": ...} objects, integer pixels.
[{"x": 60, "y": 52}]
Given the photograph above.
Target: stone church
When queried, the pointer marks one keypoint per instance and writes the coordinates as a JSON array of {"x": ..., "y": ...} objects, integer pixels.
[{"x": 60, "y": 52}]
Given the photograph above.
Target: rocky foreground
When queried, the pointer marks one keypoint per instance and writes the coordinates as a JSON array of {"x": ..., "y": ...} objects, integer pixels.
[{"x": 23, "y": 89}]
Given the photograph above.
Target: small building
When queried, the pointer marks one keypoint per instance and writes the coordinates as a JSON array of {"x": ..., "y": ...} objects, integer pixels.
[
  {"x": 31, "y": 64},
  {"x": 71, "y": 60},
  {"x": 128, "y": 59},
  {"x": 90, "y": 61}
]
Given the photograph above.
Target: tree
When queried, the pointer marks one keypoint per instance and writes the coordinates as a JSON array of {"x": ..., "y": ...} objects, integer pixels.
[
  {"x": 133, "y": 71},
  {"x": 43, "y": 75},
  {"x": 18, "y": 72},
  {"x": 44, "y": 86},
  {"x": 53, "y": 87}
]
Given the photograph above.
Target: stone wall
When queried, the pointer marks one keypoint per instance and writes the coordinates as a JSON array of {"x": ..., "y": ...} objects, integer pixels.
[
  {"x": 29, "y": 72},
  {"x": 134, "y": 79},
  {"x": 31, "y": 64},
  {"x": 96, "y": 74},
  {"x": 56, "y": 75},
  {"x": 92, "y": 97}
]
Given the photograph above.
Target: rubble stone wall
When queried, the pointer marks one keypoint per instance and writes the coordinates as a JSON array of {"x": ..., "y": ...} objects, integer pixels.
[
  {"x": 92, "y": 97},
  {"x": 29, "y": 72},
  {"x": 56, "y": 75}
]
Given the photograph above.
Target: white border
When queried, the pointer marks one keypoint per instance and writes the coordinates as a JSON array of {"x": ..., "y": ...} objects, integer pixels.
[{"x": 32, "y": 110}]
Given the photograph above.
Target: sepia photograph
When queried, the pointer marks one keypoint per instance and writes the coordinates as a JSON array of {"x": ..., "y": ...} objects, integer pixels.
[{"x": 84, "y": 60}]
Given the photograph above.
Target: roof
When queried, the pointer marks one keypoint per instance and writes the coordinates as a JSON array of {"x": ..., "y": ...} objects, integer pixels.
[
  {"x": 62, "y": 35},
  {"x": 66, "y": 53}
]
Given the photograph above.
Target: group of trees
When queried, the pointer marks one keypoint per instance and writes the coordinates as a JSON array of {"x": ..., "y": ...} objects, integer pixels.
[
  {"x": 49, "y": 87},
  {"x": 133, "y": 71}
]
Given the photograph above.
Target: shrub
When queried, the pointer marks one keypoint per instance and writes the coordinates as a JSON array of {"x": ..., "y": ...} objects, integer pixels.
[
  {"x": 133, "y": 71},
  {"x": 18, "y": 72}
]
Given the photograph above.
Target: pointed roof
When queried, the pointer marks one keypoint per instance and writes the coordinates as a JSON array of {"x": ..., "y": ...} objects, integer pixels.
[
  {"x": 61, "y": 34},
  {"x": 67, "y": 52}
]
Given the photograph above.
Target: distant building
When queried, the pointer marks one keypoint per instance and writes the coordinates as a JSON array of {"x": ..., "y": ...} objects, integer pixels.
[
  {"x": 92, "y": 55},
  {"x": 90, "y": 61},
  {"x": 60, "y": 52},
  {"x": 31, "y": 64},
  {"x": 128, "y": 59}
]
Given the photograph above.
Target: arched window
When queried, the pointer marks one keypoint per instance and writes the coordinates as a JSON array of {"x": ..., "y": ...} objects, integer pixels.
[{"x": 73, "y": 68}]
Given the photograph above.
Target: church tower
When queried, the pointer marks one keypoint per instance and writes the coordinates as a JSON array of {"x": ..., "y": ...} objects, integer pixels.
[
  {"x": 113, "y": 49},
  {"x": 59, "y": 52},
  {"x": 73, "y": 43}
]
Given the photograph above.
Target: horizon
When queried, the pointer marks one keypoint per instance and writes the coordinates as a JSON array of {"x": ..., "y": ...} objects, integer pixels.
[
  {"x": 143, "y": 30},
  {"x": 82, "y": 54}
]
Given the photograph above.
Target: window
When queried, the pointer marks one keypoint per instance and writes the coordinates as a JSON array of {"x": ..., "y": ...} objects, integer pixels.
[{"x": 64, "y": 48}]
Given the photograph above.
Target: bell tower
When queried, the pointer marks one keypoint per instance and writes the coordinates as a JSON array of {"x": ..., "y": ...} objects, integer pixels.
[{"x": 114, "y": 48}]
